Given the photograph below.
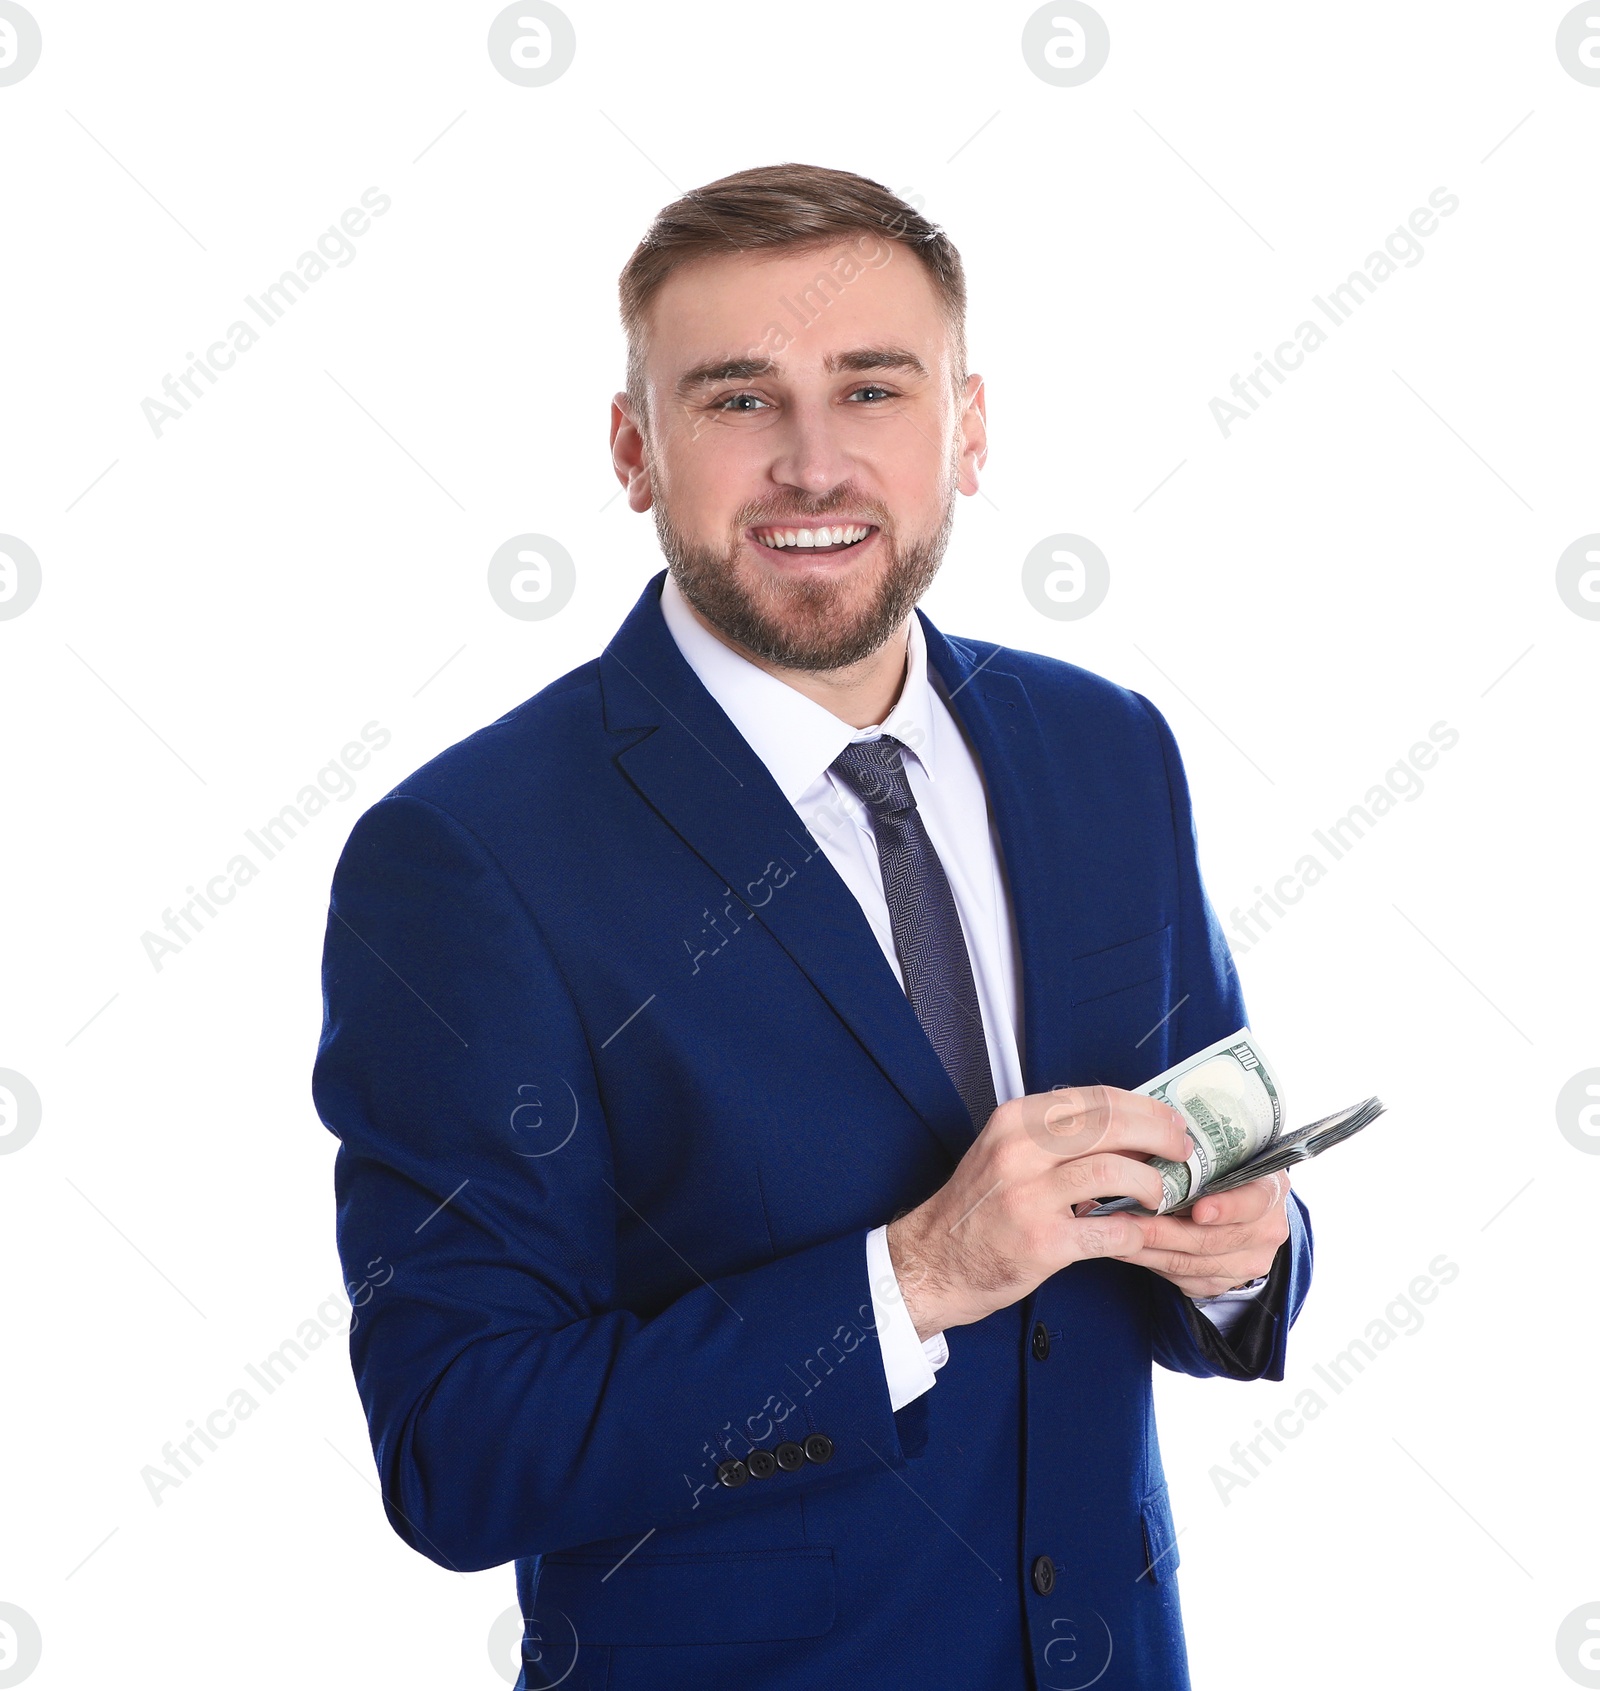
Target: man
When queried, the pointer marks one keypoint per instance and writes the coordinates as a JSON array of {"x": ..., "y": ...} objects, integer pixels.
[{"x": 723, "y": 1043}]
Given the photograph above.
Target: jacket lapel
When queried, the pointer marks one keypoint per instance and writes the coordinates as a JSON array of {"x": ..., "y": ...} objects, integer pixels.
[{"x": 696, "y": 770}]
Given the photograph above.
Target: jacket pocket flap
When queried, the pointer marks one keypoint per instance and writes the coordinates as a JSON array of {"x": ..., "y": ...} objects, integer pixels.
[
  {"x": 732, "y": 1598},
  {"x": 1099, "y": 973}
]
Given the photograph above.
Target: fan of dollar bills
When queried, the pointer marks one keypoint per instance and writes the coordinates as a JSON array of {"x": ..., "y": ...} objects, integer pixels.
[{"x": 1233, "y": 1106}]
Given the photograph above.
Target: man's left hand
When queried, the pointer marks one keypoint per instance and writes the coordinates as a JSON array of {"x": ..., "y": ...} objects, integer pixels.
[{"x": 1222, "y": 1242}]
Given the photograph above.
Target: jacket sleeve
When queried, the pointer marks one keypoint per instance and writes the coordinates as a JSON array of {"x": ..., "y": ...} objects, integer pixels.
[
  {"x": 514, "y": 1405},
  {"x": 1211, "y": 1006}
]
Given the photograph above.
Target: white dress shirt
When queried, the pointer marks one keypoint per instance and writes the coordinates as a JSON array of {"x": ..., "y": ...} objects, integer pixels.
[{"x": 797, "y": 739}]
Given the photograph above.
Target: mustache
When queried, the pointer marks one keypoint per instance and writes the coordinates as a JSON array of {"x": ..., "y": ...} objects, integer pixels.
[{"x": 758, "y": 516}]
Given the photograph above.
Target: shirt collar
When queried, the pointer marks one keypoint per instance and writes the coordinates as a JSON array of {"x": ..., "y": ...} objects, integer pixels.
[{"x": 794, "y": 736}]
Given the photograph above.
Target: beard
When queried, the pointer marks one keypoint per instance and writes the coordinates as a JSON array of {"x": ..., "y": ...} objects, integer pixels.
[{"x": 819, "y": 624}]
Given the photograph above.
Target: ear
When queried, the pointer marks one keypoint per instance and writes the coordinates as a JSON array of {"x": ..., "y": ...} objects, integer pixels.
[
  {"x": 629, "y": 455},
  {"x": 974, "y": 426}
]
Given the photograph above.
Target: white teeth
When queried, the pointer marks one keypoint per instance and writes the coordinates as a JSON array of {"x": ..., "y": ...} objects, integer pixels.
[{"x": 813, "y": 537}]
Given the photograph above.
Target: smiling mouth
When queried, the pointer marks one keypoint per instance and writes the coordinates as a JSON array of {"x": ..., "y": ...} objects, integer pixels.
[{"x": 828, "y": 540}]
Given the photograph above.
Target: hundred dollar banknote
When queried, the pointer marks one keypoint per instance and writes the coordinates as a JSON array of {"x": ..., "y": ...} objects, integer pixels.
[{"x": 1232, "y": 1103}]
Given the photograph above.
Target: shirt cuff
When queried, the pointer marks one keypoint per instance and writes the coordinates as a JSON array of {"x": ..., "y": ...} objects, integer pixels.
[
  {"x": 909, "y": 1363},
  {"x": 1223, "y": 1310}
]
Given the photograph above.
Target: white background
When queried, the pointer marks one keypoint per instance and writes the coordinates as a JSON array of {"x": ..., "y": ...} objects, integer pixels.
[{"x": 228, "y": 603}]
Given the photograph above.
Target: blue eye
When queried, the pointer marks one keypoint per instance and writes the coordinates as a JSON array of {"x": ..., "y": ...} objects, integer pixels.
[
  {"x": 730, "y": 401},
  {"x": 873, "y": 387}
]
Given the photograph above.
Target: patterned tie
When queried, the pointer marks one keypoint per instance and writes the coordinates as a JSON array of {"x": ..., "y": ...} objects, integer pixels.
[{"x": 922, "y": 913}]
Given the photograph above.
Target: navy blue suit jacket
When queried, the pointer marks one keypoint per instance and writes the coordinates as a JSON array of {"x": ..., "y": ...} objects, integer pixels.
[{"x": 622, "y": 1079}]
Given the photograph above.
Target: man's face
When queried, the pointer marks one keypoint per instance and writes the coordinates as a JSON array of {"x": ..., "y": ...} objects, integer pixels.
[{"x": 767, "y": 431}]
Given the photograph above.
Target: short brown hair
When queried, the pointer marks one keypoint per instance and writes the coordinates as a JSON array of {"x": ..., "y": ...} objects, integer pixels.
[{"x": 779, "y": 206}]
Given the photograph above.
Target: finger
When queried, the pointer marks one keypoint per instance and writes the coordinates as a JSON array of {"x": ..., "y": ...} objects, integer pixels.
[
  {"x": 1109, "y": 1236},
  {"x": 1243, "y": 1203},
  {"x": 1199, "y": 1244},
  {"x": 1218, "y": 1239},
  {"x": 1074, "y": 1121},
  {"x": 1230, "y": 1270},
  {"x": 1105, "y": 1174}
]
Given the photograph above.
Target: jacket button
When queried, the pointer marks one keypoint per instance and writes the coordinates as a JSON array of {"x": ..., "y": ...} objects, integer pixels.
[
  {"x": 1044, "y": 1575},
  {"x": 790, "y": 1456},
  {"x": 819, "y": 1448},
  {"x": 762, "y": 1464},
  {"x": 1041, "y": 1342},
  {"x": 732, "y": 1474}
]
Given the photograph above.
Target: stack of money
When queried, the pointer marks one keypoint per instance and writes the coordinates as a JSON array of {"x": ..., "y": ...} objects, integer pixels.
[{"x": 1230, "y": 1099}]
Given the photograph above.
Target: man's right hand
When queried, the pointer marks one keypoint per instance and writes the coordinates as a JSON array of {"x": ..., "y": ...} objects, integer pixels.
[{"x": 1005, "y": 1220}]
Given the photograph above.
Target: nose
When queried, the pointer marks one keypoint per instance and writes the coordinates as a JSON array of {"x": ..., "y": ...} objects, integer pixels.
[{"x": 810, "y": 453}]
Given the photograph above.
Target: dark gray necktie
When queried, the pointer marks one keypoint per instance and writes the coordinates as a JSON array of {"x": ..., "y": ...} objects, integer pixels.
[{"x": 922, "y": 913}]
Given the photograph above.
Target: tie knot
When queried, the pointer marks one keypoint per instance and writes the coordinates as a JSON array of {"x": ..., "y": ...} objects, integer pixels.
[{"x": 875, "y": 772}]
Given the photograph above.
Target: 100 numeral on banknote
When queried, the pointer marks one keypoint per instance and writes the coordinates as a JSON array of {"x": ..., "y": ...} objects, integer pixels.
[{"x": 1232, "y": 1104}]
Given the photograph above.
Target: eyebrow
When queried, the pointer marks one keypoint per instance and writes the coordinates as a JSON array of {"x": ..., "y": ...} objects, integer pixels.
[
  {"x": 854, "y": 362},
  {"x": 876, "y": 358},
  {"x": 724, "y": 370}
]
